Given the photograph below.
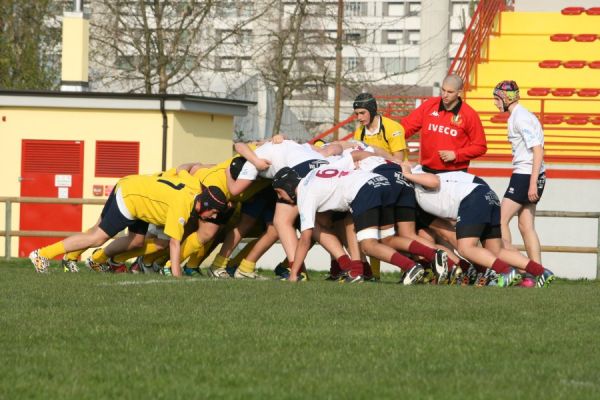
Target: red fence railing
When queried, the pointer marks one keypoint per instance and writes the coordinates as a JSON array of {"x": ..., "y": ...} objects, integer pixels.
[
  {"x": 472, "y": 49},
  {"x": 569, "y": 136}
]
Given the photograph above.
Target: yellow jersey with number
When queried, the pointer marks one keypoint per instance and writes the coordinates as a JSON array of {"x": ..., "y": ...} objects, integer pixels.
[{"x": 161, "y": 200}]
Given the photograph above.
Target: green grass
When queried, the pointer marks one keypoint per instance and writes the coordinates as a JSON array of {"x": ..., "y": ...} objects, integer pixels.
[{"x": 93, "y": 336}]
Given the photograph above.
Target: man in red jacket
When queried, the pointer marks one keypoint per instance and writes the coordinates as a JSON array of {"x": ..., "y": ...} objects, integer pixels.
[{"x": 451, "y": 131}]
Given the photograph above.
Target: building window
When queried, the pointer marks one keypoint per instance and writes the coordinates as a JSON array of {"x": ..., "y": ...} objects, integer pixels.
[
  {"x": 456, "y": 37},
  {"x": 414, "y": 9},
  {"x": 460, "y": 9},
  {"x": 413, "y": 37},
  {"x": 289, "y": 9},
  {"x": 394, "y": 9},
  {"x": 354, "y": 64},
  {"x": 235, "y": 37},
  {"x": 355, "y": 37},
  {"x": 393, "y": 37},
  {"x": 411, "y": 64},
  {"x": 126, "y": 63},
  {"x": 355, "y": 9},
  {"x": 399, "y": 65},
  {"x": 227, "y": 9},
  {"x": 225, "y": 64},
  {"x": 391, "y": 65},
  {"x": 246, "y": 9}
]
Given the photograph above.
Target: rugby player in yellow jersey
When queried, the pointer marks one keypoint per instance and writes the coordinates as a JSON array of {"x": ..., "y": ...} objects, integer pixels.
[
  {"x": 136, "y": 201},
  {"x": 224, "y": 176},
  {"x": 377, "y": 130}
]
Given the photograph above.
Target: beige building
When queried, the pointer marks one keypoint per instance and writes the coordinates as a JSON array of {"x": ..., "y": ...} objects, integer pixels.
[{"x": 78, "y": 144}]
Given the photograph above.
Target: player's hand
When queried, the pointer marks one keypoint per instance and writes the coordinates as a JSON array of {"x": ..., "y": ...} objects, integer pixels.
[
  {"x": 447, "y": 155},
  {"x": 532, "y": 194},
  {"x": 406, "y": 167},
  {"x": 262, "y": 164},
  {"x": 277, "y": 139}
]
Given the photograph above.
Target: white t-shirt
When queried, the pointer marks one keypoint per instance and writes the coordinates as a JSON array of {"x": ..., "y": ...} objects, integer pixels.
[
  {"x": 445, "y": 201},
  {"x": 286, "y": 154},
  {"x": 328, "y": 189},
  {"x": 370, "y": 163},
  {"x": 524, "y": 132},
  {"x": 344, "y": 161}
]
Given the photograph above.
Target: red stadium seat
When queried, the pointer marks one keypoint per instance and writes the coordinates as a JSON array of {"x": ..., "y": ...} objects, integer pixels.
[
  {"x": 577, "y": 120},
  {"x": 594, "y": 64},
  {"x": 563, "y": 92},
  {"x": 572, "y": 10},
  {"x": 561, "y": 37},
  {"x": 500, "y": 118},
  {"x": 588, "y": 92},
  {"x": 586, "y": 37},
  {"x": 574, "y": 64},
  {"x": 593, "y": 11},
  {"x": 538, "y": 91},
  {"x": 595, "y": 120},
  {"x": 549, "y": 64},
  {"x": 552, "y": 119}
]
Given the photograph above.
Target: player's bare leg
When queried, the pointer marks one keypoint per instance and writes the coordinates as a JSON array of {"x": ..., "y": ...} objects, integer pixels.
[{"x": 285, "y": 216}]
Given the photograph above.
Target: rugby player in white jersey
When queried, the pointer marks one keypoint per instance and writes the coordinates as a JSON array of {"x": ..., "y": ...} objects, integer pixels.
[
  {"x": 476, "y": 210},
  {"x": 364, "y": 194},
  {"x": 527, "y": 182},
  {"x": 404, "y": 216}
]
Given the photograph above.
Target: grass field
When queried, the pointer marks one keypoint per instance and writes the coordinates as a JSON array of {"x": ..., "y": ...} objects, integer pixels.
[{"x": 93, "y": 336}]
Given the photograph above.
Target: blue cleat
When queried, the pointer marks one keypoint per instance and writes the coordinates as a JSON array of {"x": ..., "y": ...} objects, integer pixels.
[
  {"x": 545, "y": 279},
  {"x": 510, "y": 278}
]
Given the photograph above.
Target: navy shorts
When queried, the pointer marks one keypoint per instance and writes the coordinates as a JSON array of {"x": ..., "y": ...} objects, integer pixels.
[
  {"x": 423, "y": 218},
  {"x": 518, "y": 187},
  {"x": 112, "y": 221},
  {"x": 305, "y": 167},
  {"x": 261, "y": 205},
  {"x": 479, "y": 215},
  {"x": 404, "y": 192},
  {"x": 369, "y": 203},
  {"x": 338, "y": 215}
]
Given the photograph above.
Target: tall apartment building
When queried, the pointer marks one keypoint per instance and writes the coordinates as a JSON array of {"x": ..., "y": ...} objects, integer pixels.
[{"x": 389, "y": 46}]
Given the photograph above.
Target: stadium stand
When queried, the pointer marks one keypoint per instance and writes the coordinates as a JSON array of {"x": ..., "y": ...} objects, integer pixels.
[{"x": 530, "y": 48}]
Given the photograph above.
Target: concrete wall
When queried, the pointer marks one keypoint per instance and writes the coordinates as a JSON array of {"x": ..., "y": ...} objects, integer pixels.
[{"x": 205, "y": 138}]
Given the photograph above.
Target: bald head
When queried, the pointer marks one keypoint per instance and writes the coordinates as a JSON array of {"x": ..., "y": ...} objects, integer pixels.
[
  {"x": 454, "y": 81},
  {"x": 451, "y": 91}
]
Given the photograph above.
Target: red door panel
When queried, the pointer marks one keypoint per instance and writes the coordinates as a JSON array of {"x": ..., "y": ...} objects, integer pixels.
[{"x": 48, "y": 167}]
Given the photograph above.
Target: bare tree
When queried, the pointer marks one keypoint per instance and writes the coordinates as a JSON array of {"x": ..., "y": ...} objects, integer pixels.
[
  {"x": 159, "y": 46},
  {"x": 300, "y": 47},
  {"x": 29, "y": 36}
]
